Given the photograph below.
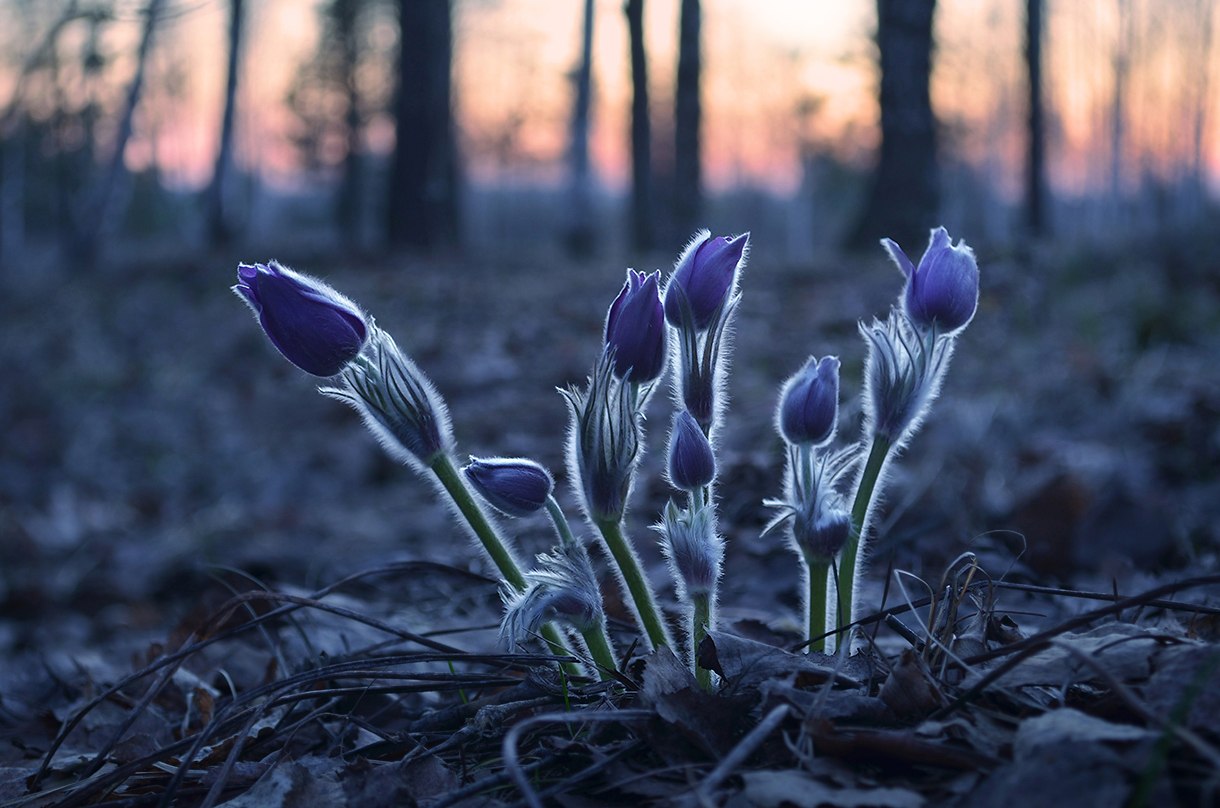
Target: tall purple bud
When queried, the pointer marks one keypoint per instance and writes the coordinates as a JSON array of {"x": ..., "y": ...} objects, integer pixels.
[
  {"x": 942, "y": 293},
  {"x": 809, "y": 403},
  {"x": 512, "y": 485},
  {"x": 692, "y": 464},
  {"x": 703, "y": 279},
  {"x": 635, "y": 329},
  {"x": 313, "y": 326}
]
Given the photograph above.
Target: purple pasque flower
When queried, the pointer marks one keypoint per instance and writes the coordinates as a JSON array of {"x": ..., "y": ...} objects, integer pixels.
[
  {"x": 692, "y": 464},
  {"x": 942, "y": 293},
  {"x": 313, "y": 326},
  {"x": 809, "y": 403},
  {"x": 635, "y": 329},
  {"x": 513, "y": 485},
  {"x": 703, "y": 279}
]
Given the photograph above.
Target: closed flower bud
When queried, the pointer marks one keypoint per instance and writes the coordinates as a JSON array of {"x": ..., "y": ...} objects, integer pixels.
[
  {"x": 514, "y": 486},
  {"x": 564, "y": 588},
  {"x": 703, "y": 279},
  {"x": 809, "y": 403},
  {"x": 942, "y": 293},
  {"x": 694, "y": 550},
  {"x": 313, "y": 326},
  {"x": 820, "y": 534},
  {"x": 635, "y": 329},
  {"x": 692, "y": 465}
]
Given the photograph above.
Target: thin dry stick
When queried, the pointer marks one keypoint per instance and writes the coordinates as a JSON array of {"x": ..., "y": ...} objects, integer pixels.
[
  {"x": 738, "y": 754},
  {"x": 512, "y": 762}
]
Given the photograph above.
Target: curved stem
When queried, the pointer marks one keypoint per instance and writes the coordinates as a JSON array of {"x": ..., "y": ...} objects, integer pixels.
[
  {"x": 700, "y": 622},
  {"x": 818, "y": 573},
  {"x": 637, "y": 586},
  {"x": 602, "y": 651},
  {"x": 850, "y": 559},
  {"x": 566, "y": 538},
  {"x": 442, "y": 466}
]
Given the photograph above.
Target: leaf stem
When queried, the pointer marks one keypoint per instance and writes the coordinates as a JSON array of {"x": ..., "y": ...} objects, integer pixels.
[{"x": 818, "y": 572}]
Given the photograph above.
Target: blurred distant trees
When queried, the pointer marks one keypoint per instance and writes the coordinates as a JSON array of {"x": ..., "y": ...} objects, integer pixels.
[
  {"x": 422, "y": 208},
  {"x": 904, "y": 195},
  {"x": 642, "y": 227},
  {"x": 219, "y": 225},
  {"x": 580, "y": 226},
  {"x": 688, "y": 114},
  {"x": 1035, "y": 159}
]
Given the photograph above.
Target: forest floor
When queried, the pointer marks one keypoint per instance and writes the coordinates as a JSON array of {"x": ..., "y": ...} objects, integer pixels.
[{"x": 180, "y": 513}]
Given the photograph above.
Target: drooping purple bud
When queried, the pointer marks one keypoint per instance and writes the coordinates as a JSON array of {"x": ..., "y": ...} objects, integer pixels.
[
  {"x": 692, "y": 464},
  {"x": 635, "y": 328},
  {"x": 513, "y": 485},
  {"x": 942, "y": 293},
  {"x": 820, "y": 534},
  {"x": 809, "y": 403},
  {"x": 703, "y": 279},
  {"x": 313, "y": 326}
]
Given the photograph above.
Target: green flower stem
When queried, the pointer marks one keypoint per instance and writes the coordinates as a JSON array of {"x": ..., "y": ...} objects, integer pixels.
[
  {"x": 596, "y": 638},
  {"x": 859, "y": 512},
  {"x": 561, "y": 523},
  {"x": 700, "y": 623},
  {"x": 818, "y": 572},
  {"x": 637, "y": 586},
  {"x": 603, "y": 652},
  {"x": 442, "y": 466}
]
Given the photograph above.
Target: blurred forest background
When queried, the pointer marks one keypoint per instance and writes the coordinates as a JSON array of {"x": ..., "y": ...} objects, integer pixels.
[
  {"x": 480, "y": 172},
  {"x": 495, "y": 124}
]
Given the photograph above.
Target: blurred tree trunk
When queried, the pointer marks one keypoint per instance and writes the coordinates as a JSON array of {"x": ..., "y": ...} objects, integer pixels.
[
  {"x": 904, "y": 198},
  {"x": 351, "y": 192},
  {"x": 642, "y": 232},
  {"x": 220, "y": 229},
  {"x": 580, "y": 233},
  {"x": 97, "y": 211},
  {"x": 12, "y": 196},
  {"x": 688, "y": 180},
  {"x": 423, "y": 205},
  {"x": 1118, "y": 101},
  {"x": 1203, "y": 97},
  {"x": 1035, "y": 163}
]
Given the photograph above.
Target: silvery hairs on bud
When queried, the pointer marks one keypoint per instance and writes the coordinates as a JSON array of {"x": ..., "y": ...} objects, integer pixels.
[
  {"x": 703, "y": 357},
  {"x": 398, "y": 403},
  {"x": 693, "y": 548},
  {"x": 902, "y": 376},
  {"x": 563, "y": 588},
  {"x": 815, "y": 502},
  {"x": 603, "y": 442}
]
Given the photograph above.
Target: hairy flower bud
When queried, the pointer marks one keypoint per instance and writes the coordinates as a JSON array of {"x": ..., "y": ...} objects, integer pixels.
[
  {"x": 902, "y": 375},
  {"x": 809, "y": 403},
  {"x": 820, "y": 534},
  {"x": 313, "y": 326},
  {"x": 703, "y": 279},
  {"x": 635, "y": 328},
  {"x": 693, "y": 548},
  {"x": 564, "y": 587},
  {"x": 396, "y": 400},
  {"x": 692, "y": 464},
  {"x": 514, "y": 486},
  {"x": 942, "y": 293},
  {"x": 603, "y": 442}
]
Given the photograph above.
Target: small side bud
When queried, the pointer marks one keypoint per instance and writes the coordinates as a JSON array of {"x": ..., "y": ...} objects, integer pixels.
[
  {"x": 694, "y": 550},
  {"x": 514, "y": 486},
  {"x": 809, "y": 403},
  {"x": 564, "y": 588},
  {"x": 692, "y": 464}
]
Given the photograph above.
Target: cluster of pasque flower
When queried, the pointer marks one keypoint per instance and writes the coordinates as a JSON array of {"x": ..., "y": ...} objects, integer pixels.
[{"x": 682, "y": 325}]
